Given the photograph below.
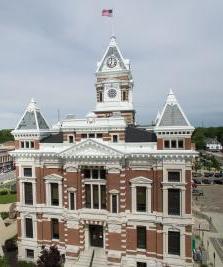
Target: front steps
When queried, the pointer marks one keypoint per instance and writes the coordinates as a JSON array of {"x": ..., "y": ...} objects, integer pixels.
[{"x": 99, "y": 258}]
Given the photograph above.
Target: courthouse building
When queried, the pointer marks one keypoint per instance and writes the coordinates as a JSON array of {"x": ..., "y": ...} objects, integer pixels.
[{"x": 104, "y": 183}]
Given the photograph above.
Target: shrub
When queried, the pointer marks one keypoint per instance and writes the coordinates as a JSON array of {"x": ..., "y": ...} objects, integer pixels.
[
  {"x": 3, "y": 262},
  {"x": 4, "y": 192},
  {"x": 25, "y": 264},
  {"x": 4, "y": 215}
]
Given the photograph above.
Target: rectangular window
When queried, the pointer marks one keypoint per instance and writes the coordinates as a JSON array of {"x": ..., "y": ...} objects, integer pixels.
[
  {"x": 173, "y": 143},
  {"x": 115, "y": 138},
  {"x": 114, "y": 203},
  {"x": 102, "y": 173},
  {"x": 71, "y": 139},
  {"x": 27, "y": 144},
  {"x": 87, "y": 173},
  {"x": 174, "y": 243},
  {"x": 95, "y": 173},
  {"x": 166, "y": 144},
  {"x": 99, "y": 135},
  {"x": 91, "y": 135},
  {"x": 180, "y": 144},
  {"x": 32, "y": 144},
  {"x": 28, "y": 192},
  {"x": 55, "y": 228},
  {"x": 27, "y": 172},
  {"x": 141, "y": 237},
  {"x": 30, "y": 253},
  {"x": 103, "y": 197},
  {"x": 141, "y": 264},
  {"x": 22, "y": 144},
  {"x": 88, "y": 195},
  {"x": 83, "y": 135},
  {"x": 72, "y": 200},
  {"x": 173, "y": 176},
  {"x": 95, "y": 197},
  {"x": 29, "y": 227},
  {"x": 54, "y": 194},
  {"x": 141, "y": 198},
  {"x": 173, "y": 201}
]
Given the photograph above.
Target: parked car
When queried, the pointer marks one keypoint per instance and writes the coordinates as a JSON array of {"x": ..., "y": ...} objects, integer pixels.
[
  {"x": 218, "y": 181},
  {"x": 206, "y": 181},
  {"x": 197, "y": 192},
  {"x": 197, "y": 181}
]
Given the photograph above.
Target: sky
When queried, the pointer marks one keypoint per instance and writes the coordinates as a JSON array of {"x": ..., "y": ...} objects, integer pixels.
[{"x": 49, "y": 50}]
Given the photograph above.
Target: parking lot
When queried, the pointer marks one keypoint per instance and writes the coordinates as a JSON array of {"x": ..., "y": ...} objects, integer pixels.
[{"x": 211, "y": 201}]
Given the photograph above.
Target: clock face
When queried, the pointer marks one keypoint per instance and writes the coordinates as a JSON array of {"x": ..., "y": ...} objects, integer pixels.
[
  {"x": 111, "y": 62},
  {"x": 112, "y": 93}
]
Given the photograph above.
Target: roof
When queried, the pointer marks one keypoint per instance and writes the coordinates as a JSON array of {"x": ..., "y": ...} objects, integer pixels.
[
  {"x": 172, "y": 113},
  {"x": 113, "y": 50},
  {"x": 133, "y": 134},
  {"x": 53, "y": 138},
  {"x": 32, "y": 119},
  {"x": 213, "y": 141}
]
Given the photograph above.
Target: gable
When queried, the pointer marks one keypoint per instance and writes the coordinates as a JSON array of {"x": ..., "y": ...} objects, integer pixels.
[
  {"x": 112, "y": 51},
  {"x": 90, "y": 148}
]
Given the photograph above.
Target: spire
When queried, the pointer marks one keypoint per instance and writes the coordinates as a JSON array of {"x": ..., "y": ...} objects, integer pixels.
[
  {"x": 171, "y": 99},
  {"x": 172, "y": 114},
  {"x": 32, "y": 119},
  {"x": 157, "y": 117}
]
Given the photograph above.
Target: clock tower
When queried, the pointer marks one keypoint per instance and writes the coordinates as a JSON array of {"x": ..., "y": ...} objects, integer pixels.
[{"x": 114, "y": 85}]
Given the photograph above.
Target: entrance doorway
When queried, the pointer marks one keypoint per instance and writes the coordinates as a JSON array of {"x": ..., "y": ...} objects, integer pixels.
[{"x": 96, "y": 236}]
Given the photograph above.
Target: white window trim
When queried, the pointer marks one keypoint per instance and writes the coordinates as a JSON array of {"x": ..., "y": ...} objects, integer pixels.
[
  {"x": 181, "y": 230},
  {"x": 177, "y": 145},
  {"x": 114, "y": 193},
  {"x": 141, "y": 182},
  {"x": 22, "y": 190},
  {"x": 68, "y": 138},
  {"x": 53, "y": 178},
  {"x": 115, "y": 134},
  {"x": 72, "y": 190},
  {"x": 23, "y": 223}
]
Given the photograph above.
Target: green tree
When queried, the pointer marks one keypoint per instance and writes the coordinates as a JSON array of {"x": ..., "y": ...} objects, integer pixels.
[{"x": 49, "y": 257}]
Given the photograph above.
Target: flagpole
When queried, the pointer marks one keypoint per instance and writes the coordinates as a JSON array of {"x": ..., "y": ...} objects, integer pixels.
[{"x": 112, "y": 24}]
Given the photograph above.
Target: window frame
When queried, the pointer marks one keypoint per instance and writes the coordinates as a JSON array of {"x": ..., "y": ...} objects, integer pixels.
[
  {"x": 176, "y": 248},
  {"x": 26, "y": 200},
  {"x": 27, "y": 234},
  {"x": 53, "y": 235},
  {"x": 170, "y": 210},
  {"x": 24, "y": 172},
  {"x": 141, "y": 237},
  {"x": 51, "y": 196}
]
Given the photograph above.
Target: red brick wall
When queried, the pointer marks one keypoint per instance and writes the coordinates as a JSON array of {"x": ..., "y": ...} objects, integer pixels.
[
  {"x": 73, "y": 237},
  {"x": 188, "y": 192},
  {"x": 188, "y": 143},
  {"x": 159, "y": 143},
  {"x": 114, "y": 241},
  {"x": 131, "y": 239}
]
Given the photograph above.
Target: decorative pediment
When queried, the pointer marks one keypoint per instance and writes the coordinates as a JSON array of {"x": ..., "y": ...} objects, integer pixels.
[
  {"x": 53, "y": 177},
  {"x": 91, "y": 149},
  {"x": 141, "y": 180}
]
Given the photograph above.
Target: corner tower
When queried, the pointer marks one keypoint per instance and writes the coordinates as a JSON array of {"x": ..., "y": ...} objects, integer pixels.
[{"x": 114, "y": 85}]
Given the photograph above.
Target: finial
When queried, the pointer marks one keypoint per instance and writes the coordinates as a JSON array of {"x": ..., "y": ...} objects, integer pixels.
[
  {"x": 171, "y": 99},
  {"x": 32, "y": 105}
]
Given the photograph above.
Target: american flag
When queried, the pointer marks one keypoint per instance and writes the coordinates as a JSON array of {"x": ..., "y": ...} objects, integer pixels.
[{"x": 107, "y": 12}]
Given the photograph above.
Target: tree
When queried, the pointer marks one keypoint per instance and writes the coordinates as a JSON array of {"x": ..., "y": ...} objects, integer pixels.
[{"x": 49, "y": 257}]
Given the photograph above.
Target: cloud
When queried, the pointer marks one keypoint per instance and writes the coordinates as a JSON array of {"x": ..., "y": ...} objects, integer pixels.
[{"x": 49, "y": 50}]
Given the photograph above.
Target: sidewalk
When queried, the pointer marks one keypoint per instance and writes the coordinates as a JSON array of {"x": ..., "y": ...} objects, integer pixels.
[{"x": 211, "y": 238}]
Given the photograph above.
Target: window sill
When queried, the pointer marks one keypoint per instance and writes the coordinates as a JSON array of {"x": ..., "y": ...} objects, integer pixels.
[
  {"x": 141, "y": 250},
  {"x": 55, "y": 239}
]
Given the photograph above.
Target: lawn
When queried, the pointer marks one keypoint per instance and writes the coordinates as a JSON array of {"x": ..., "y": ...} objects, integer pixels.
[{"x": 9, "y": 198}]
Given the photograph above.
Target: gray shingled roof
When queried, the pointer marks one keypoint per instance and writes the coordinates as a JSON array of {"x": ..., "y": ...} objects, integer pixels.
[
  {"x": 32, "y": 119},
  {"x": 173, "y": 116}
]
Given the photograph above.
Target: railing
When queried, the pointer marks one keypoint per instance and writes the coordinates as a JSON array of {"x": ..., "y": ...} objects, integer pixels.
[{"x": 92, "y": 258}]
